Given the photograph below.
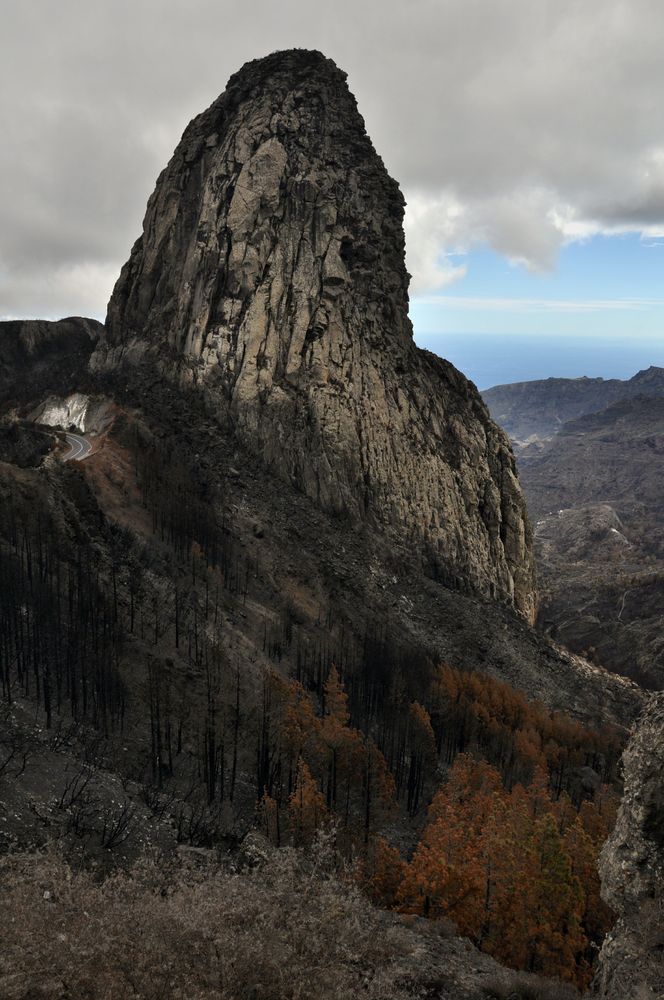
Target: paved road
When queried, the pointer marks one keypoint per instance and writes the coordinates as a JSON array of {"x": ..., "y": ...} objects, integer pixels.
[{"x": 79, "y": 448}]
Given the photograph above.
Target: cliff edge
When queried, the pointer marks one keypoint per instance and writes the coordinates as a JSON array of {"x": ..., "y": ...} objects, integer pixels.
[{"x": 632, "y": 869}]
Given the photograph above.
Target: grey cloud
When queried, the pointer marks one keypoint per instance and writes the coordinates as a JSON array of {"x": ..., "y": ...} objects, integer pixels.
[{"x": 499, "y": 118}]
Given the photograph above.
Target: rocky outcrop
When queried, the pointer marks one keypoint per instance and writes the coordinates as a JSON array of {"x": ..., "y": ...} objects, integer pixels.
[
  {"x": 632, "y": 869},
  {"x": 79, "y": 411},
  {"x": 270, "y": 276},
  {"x": 38, "y": 355}
]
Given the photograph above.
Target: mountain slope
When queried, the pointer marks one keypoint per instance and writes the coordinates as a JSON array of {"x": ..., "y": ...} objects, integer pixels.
[
  {"x": 38, "y": 355},
  {"x": 540, "y": 408},
  {"x": 595, "y": 490},
  {"x": 614, "y": 455}
]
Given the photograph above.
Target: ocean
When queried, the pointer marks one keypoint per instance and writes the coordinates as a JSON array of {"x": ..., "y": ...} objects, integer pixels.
[{"x": 494, "y": 359}]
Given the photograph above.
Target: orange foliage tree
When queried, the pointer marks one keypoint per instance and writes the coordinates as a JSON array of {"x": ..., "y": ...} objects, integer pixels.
[
  {"x": 348, "y": 770},
  {"x": 381, "y": 871},
  {"x": 509, "y": 850},
  {"x": 515, "y": 870},
  {"x": 306, "y": 806},
  {"x": 471, "y": 710}
]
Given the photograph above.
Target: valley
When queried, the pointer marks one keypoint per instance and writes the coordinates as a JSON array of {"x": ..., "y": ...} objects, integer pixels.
[{"x": 593, "y": 490}]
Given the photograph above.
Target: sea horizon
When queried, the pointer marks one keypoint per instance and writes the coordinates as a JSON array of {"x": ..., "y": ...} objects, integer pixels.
[{"x": 500, "y": 359}]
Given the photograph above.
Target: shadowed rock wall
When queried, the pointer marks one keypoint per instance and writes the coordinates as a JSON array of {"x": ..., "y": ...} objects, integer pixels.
[{"x": 632, "y": 870}]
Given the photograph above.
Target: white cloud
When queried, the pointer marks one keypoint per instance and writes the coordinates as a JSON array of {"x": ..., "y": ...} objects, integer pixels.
[
  {"x": 78, "y": 289},
  {"x": 435, "y": 231},
  {"x": 523, "y": 125}
]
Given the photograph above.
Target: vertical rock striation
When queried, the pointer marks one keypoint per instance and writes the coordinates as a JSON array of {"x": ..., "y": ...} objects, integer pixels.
[
  {"x": 270, "y": 276},
  {"x": 632, "y": 869}
]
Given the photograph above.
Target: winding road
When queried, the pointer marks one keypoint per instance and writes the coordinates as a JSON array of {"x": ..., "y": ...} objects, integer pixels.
[{"x": 79, "y": 448}]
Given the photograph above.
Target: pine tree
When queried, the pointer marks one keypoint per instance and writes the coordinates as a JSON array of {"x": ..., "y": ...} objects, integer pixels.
[
  {"x": 306, "y": 806},
  {"x": 557, "y": 936}
]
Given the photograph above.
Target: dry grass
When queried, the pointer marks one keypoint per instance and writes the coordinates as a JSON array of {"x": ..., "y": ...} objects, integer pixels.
[
  {"x": 285, "y": 930},
  {"x": 525, "y": 986},
  {"x": 278, "y": 925}
]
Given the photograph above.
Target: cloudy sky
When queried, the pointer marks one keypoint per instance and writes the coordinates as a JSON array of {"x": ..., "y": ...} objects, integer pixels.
[{"x": 527, "y": 135}]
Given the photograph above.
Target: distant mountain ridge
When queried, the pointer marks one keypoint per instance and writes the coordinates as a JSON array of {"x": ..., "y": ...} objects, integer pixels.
[
  {"x": 590, "y": 456},
  {"x": 538, "y": 409},
  {"x": 594, "y": 491},
  {"x": 614, "y": 454},
  {"x": 54, "y": 353}
]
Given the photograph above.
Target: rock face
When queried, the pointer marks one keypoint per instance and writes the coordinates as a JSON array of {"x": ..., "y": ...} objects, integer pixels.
[
  {"x": 632, "y": 869},
  {"x": 270, "y": 276},
  {"x": 36, "y": 355},
  {"x": 80, "y": 411}
]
